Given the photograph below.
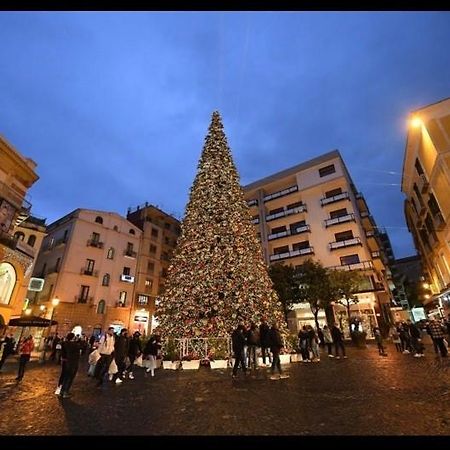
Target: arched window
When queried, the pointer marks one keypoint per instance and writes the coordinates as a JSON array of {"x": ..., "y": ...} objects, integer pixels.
[
  {"x": 7, "y": 282},
  {"x": 98, "y": 219},
  {"x": 110, "y": 254},
  {"x": 116, "y": 228},
  {"x": 19, "y": 235},
  {"x": 101, "y": 307},
  {"x": 132, "y": 231},
  {"x": 31, "y": 240},
  {"x": 106, "y": 279}
]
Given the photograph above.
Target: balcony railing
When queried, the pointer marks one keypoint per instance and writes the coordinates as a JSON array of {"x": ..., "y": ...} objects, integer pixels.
[
  {"x": 92, "y": 243},
  {"x": 130, "y": 253},
  {"x": 253, "y": 202},
  {"x": 346, "y": 243},
  {"x": 282, "y": 193},
  {"x": 292, "y": 254},
  {"x": 362, "y": 265},
  {"x": 341, "y": 219},
  {"x": 423, "y": 184},
  {"x": 371, "y": 233},
  {"x": 298, "y": 230},
  {"x": 286, "y": 212},
  {"x": 85, "y": 300},
  {"x": 92, "y": 273},
  {"x": 334, "y": 198},
  {"x": 255, "y": 221},
  {"x": 121, "y": 304},
  {"x": 376, "y": 255}
]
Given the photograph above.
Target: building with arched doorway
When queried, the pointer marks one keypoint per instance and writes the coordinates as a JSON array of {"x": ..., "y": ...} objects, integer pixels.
[{"x": 17, "y": 175}]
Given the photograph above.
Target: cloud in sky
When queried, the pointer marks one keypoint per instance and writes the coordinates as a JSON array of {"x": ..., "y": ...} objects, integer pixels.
[{"x": 114, "y": 107}]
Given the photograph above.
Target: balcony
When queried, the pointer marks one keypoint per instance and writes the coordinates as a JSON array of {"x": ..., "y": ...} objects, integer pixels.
[
  {"x": 423, "y": 184},
  {"x": 292, "y": 254},
  {"x": 92, "y": 243},
  {"x": 439, "y": 222},
  {"x": 279, "y": 194},
  {"x": 362, "y": 265},
  {"x": 126, "y": 278},
  {"x": 84, "y": 300},
  {"x": 342, "y": 219},
  {"x": 130, "y": 253},
  {"x": 347, "y": 243},
  {"x": 91, "y": 273},
  {"x": 255, "y": 220},
  {"x": 286, "y": 212},
  {"x": 121, "y": 304},
  {"x": 376, "y": 255},
  {"x": 335, "y": 198},
  {"x": 253, "y": 202},
  {"x": 298, "y": 230}
]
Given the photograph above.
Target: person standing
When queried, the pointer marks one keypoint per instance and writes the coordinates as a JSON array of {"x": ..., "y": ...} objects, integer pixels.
[
  {"x": 405, "y": 338},
  {"x": 328, "y": 340},
  {"x": 70, "y": 356},
  {"x": 106, "y": 350},
  {"x": 416, "y": 339},
  {"x": 338, "y": 339},
  {"x": 304, "y": 344},
  {"x": 276, "y": 345},
  {"x": 151, "y": 350},
  {"x": 395, "y": 336},
  {"x": 436, "y": 332},
  {"x": 313, "y": 344},
  {"x": 8, "y": 348},
  {"x": 379, "y": 340},
  {"x": 56, "y": 346},
  {"x": 121, "y": 346},
  {"x": 238, "y": 342},
  {"x": 134, "y": 350},
  {"x": 25, "y": 354},
  {"x": 264, "y": 339},
  {"x": 252, "y": 343}
]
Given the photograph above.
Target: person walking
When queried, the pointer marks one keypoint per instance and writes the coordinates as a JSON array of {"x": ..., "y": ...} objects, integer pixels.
[
  {"x": 151, "y": 350},
  {"x": 276, "y": 345},
  {"x": 379, "y": 340},
  {"x": 313, "y": 342},
  {"x": 252, "y": 344},
  {"x": 25, "y": 354},
  {"x": 121, "y": 346},
  {"x": 328, "y": 340},
  {"x": 436, "y": 332},
  {"x": 238, "y": 343},
  {"x": 338, "y": 339},
  {"x": 134, "y": 351},
  {"x": 70, "y": 356},
  {"x": 8, "y": 348},
  {"x": 405, "y": 338},
  {"x": 106, "y": 350},
  {"x": 264, "y": 339}
]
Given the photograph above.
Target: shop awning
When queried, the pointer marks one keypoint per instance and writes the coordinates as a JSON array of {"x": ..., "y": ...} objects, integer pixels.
[{"x": 31, "y": 321}]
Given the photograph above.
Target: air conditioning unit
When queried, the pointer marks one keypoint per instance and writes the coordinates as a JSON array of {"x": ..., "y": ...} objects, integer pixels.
[{"x": 127, "y": 278}]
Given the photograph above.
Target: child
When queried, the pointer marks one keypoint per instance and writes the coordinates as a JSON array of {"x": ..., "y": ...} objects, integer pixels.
[
  {"x": 94, "y": 356},
  {"x": 395, "y": 336}
]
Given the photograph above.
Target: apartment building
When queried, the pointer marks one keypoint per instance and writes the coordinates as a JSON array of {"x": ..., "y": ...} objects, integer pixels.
[
  {"x": 159, "y": 236},
  {"x": 17, "y": 175},
  {"x": 314, "y": 210},
  {"x": 88, "y": 261},
  {"x": 426, "y": 185}
]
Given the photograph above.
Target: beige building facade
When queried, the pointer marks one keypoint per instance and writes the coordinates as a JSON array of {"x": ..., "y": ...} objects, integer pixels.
[
  {"x": 17, "y": 175},
  {"x": 159, "y": 236},
  {"x": 314, "y": 210},
  {"x": 88, "y": 261},
  {"x": 426, "y": 185}
]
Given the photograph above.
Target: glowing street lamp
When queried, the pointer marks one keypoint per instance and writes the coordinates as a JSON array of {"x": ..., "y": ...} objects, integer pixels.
[
  {"x": 416, "y": 122},
  {"x": 28, "y": 312}
]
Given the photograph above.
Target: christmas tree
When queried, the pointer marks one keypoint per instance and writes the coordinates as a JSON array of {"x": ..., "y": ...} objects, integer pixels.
[{"x": 217, "y": 275}]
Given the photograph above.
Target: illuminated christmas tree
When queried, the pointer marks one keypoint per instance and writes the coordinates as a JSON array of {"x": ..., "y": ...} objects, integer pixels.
[{"x": 217, "y": 275}]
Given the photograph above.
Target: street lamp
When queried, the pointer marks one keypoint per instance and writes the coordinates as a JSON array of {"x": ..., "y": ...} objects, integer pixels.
[{"x": 28, "y": 312}]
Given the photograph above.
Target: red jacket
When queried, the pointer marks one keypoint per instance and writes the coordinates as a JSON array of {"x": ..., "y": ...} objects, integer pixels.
[{"x": 27, "y": 347}]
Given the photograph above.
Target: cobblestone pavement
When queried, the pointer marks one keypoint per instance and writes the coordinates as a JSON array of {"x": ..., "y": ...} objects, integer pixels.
[{"x": 363, "y": 395}]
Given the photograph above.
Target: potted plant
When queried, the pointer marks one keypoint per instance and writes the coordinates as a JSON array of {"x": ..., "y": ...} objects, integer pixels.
[
  {"x": 170, "y": 355},
  {"x": 218, "y": 357},
  {"x": 191, "y": 361}
]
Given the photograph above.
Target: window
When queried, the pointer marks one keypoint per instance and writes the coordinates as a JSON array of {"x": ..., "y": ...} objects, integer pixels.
[
  {"x": 66, "y": 233},
  {"x": 150, "y": 267},
  {"x": 294, "y": 226},
  {"x": 295, "y": 205},
  {"x": 123, "y": 297},
  {"x": 275, "y": 211},
  {"x": 278, "y": 250},
  {"x": 149, "y": 283},
  {"x": 7, "y": 282},
  {"x": 98, "y": 219},
  {"x": 152, "y": 248},
  {"x": 164, "y": 273},
  {"x": 278, "y": 230},
  {"x": 19, "y": 236},
  {"x": 129, "y": 247},
  {"x": 154, "y": 232},
  {"x": 418, "y": 167},
  {"x": 110, "y": 254},
  {"x": 142, "y": 299},
  {"x": 89, "y": 266},
  {"x": 433, "y": 205},
  {"x": 31, "y": 240},
  {"x": 106, "y": 278},
  {"x": 101, "y": 307},
  {"x": 132, "y": 231},
  {"x": 349, "y": 259},
  {"x": 167, "y": 240},
  {"x": 333, "y": 192},
  {"x": 126, "y": 271},
  {"x": 84, "y": 294},
  {"x": 419, "y": 195},
  {"x": 167, "y": 226},
  {"x": 95, "y": 238},
  {"x": 338, "y": 213},
  {"x": 116, "y": 228},
  {"x": 300, "y": 245},
  {"x": 327, "y": 170},
  {"x": 344, "y": 236}
]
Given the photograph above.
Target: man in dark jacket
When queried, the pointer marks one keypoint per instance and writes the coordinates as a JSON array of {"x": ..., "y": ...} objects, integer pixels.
[
  {"x": 70, "y": 357},
  {"x": 264, "y": 339},
  {"x": 276, "y": 344},
  {"x": 238, "y": 341},
  {"x": 416, "y": 339},
  {"x": 8, "y": 348},
  {"x": 338, "y": 340},
  {"x": 121, "y": 346},
  {"x": 134, "y": 350},
  {"x": 252, "y": 344}
]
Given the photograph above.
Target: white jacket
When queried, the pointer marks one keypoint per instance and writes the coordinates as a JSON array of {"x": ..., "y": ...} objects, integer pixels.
[{"x": 106, "y": 345}]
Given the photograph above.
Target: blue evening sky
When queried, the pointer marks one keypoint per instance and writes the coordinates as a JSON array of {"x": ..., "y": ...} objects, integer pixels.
[{"x": 114, "y": 107}]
